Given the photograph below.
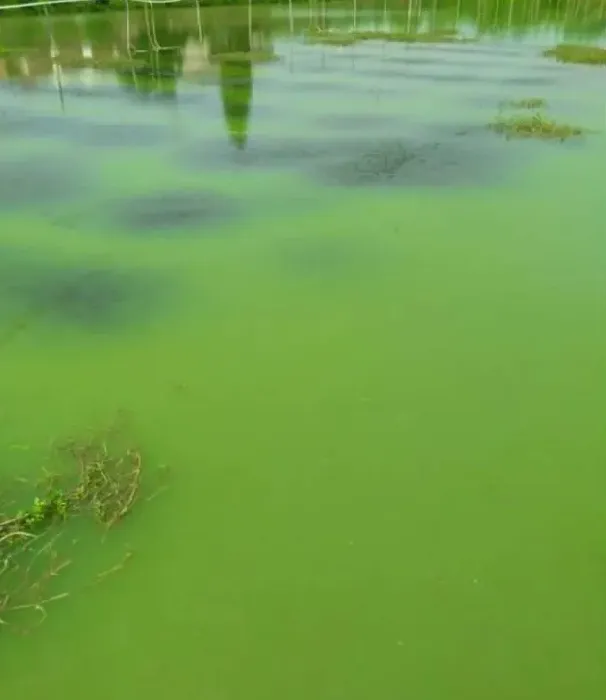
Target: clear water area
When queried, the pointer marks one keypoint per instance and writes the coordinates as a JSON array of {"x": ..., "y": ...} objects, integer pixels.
[{"x": 367, "y": 335}]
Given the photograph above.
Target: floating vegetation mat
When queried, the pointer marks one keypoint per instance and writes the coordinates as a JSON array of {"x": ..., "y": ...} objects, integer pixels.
[
  {"x": 102, "y": 484},
  {"x": 259, "y": 56},
  {"x": 528, "y": 103},
  {"x": 331, "y": 38},
  {"x": 337, "y": 38},
  {"x": 537, "y": 125},
  {"x": 577, "y": 53}
]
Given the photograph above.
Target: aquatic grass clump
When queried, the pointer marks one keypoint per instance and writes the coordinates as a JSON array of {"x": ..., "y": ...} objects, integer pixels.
[
  {"x": 537, "y": 125},
  {"x": 528, "y": 103},
  {"x": 577, "y": 53},
  {"x": 105, "y": 488},
  {"x": 534, "y": 126},
  {"x": 108, "y": 483}
]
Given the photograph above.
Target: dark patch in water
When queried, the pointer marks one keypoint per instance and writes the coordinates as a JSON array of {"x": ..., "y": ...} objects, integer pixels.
[
  {"x": 99, "y": 134},
  {"x": 197, "y": 211},
  {"x": 367, "y": 52},
  {"x": 260, "y": 153},
  {"x": 448, "y": 159},
  {"x": 40, "y": 179},
  {"x": 380, "y": 73},
  {"x": 452, "y": 63},
  {"x": 356, "y": 122},
  {"x": 91, "y": 298},
  {"x": 296, "y": 153},
  {"x": 461, "y": 78},
  {"x": 436, "y": 155},
  {"x": 334, "y": 84},
  {"x": 118, "y": 135},
  {"x": 315, "y": 257},
  {"x": 404, "y": 61},
  {"x": 99, "y": 92},
  {"x": 22, "y": 123},
  {"x": 529, "y": 81},
  {"x": 479, "y": 50},
  {"x": 375, "y": 165},
  {"x": 470, "y": 78}
]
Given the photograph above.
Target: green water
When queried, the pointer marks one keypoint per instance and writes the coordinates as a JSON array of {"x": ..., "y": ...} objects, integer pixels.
[{"x": 367, "y": 335}]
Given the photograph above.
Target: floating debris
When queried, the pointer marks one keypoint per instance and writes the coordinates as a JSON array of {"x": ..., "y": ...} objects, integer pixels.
[
  {"x": 577, "y": 53},
  {"x": 534, "y": 126},
  {"x": 104, "y": 486}
]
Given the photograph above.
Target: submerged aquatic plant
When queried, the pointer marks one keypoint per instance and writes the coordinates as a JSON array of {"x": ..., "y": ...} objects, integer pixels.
[
  {"x": 577, "y": 53},
  {"x": 534, "y": 126},
  {"x": 106, "y": 486}
]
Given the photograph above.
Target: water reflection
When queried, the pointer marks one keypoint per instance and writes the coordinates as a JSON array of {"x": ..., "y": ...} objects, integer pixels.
[
  {"x": 154, "y": 64},
  {"x": 161, "y": 53},
  {"x": 151, "y": 52},
  {"x": 164, "y": 51}
]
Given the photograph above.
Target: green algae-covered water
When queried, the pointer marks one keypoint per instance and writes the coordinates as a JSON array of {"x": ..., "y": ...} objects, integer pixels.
[{"x": 366, "y": 334}]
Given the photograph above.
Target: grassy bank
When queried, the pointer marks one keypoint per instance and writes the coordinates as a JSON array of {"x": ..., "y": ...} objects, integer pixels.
[{"x": 493, "y": 8}]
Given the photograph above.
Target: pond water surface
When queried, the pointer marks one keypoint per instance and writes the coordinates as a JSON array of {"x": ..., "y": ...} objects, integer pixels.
[{"x": 366, "y": 334}]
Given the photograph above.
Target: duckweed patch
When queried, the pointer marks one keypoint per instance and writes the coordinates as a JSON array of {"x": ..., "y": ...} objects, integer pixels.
[{"x": 577, "y": 53}]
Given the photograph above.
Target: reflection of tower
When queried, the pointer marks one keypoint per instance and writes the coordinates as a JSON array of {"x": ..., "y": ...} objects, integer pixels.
[
  {"x": 236, "y": 95},
  {"x": 232, "y": 48}
]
